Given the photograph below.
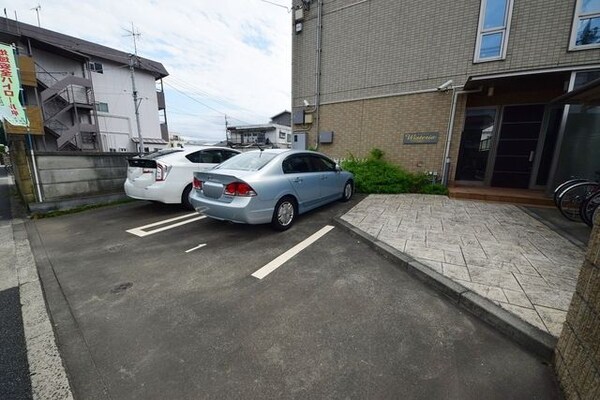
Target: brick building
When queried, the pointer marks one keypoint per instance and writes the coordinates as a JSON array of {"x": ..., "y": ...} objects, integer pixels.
[{"x": 464, "y": 89}]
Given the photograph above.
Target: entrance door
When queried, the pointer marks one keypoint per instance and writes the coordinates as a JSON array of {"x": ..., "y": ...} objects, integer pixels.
[
  {"x": 475, "y": 145},
  {"x": 517, "y": 144}
]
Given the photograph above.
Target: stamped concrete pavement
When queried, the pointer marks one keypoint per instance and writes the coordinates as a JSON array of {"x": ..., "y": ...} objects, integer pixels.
[{"x": 495, "y": 250}]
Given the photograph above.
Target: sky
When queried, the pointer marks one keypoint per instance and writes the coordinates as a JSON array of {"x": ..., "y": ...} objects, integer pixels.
[{"x": 224, "y": 57}]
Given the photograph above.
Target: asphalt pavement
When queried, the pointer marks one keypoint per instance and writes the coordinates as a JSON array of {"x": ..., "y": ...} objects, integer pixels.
[{"x": 148, "y": 305}]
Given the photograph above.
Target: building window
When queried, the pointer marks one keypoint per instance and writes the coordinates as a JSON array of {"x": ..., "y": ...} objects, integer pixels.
[
  {"x": 281, "y": 135},
  {"x": 96, "y": 67},
  {"x": 102, "y": 107},
  {"x": 586, "y": 25},
  {"x": 494, "y": 25}
]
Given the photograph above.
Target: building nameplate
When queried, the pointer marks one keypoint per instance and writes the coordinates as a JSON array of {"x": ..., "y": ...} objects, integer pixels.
[{"x": 421, "y": 138}]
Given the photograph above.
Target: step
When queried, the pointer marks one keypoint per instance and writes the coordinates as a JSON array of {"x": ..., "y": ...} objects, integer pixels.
[{"x": 515, "y": 196}]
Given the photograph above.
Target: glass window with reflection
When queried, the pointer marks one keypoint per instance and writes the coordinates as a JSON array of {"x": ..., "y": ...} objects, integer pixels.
[
  {"x": 492, "y": 35},
  {"x": 586, "y": 25},
  {"x": 476, "y": 144}
]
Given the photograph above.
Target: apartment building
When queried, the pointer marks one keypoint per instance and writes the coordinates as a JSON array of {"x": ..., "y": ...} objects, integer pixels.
[
  {"x": 467, "y": 90},
  {"x": 78, "y": 95}
]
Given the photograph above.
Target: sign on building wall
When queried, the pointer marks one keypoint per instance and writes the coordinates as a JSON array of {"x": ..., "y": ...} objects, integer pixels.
[
  {"x": 421, "y": 138},
  {"x": 10, "y": 106}
]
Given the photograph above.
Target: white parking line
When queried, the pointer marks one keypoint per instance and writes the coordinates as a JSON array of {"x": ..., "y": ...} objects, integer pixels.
[
  {"x": 279, "y": 261},
  {"x": 196, "y": 248},
  {"x": 141, "y": 230}
]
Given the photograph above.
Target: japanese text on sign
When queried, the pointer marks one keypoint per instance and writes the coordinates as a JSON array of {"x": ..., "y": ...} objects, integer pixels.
[{"x": 10, "y": 106}]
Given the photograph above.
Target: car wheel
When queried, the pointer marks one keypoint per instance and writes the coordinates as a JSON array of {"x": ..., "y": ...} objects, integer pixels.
[
  {"x": 348, "y": 191},
  {"x": 185, "y": 198},
  {"x": 284, "y": 214}
]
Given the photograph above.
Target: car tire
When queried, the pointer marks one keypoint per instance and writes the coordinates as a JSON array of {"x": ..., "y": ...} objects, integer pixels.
[
  {"x": 348, "y": 191},
  {"x": 284, "y": 213},
  {"x": 185, "y": 198}
]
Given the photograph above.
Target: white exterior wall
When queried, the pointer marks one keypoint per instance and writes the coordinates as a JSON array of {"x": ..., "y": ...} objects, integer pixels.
[
  {"x": 274, "y": 135},
  {"x": 57, "y": 65},
  {"x": 118, "y": 126}
]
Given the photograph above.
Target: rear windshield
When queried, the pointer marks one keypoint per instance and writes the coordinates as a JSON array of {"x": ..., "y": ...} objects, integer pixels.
[
  {"x": 161, "y": 153},
  {"x": 252, "y": 161}
]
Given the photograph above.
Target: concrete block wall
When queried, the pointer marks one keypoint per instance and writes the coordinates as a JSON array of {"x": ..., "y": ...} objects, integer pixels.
[
  {"x": 65, "y": 175},
  {"x": 577, "y": 355}
]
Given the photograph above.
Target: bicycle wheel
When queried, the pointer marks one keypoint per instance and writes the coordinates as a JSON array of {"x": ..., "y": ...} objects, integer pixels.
[
  {"x": 570, "y": 200},
  {"x": 563, "y": 186},
  {"x": 588, "y": 207}
]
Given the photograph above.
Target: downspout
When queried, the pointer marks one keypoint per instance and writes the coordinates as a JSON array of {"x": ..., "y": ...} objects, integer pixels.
[
  {"x": 446, "y": 160},
  {"x": 318, "y": 72}
]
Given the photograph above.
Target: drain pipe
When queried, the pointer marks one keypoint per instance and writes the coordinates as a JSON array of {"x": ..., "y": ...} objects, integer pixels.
[
  {"x": 456, "y": 91},
  {"x": 318, "y": 72}
]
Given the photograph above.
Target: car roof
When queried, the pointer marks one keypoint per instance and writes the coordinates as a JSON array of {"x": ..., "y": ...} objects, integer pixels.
[
  {"x": 286, "y": 151},
  {"x": 192, "y": 148}
]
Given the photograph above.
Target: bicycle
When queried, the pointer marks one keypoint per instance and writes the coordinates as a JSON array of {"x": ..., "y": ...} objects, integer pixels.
[
  {"x": 563, "y": 186},
  {"x": 5, "y": 159},
  {"x": 571, "y": 198},
  {"x": 589, "y": 207}
]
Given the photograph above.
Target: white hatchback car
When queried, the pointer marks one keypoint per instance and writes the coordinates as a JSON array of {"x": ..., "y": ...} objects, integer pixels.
[{"x": 166, "y": 175}]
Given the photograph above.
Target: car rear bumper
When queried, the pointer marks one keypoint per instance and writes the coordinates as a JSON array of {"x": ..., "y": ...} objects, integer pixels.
[
  {"x": 154, "y": 192},
  {"x": 245, "y": 210}
]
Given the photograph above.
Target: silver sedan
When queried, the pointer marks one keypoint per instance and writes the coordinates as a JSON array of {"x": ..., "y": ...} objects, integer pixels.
[{"x": 270, "y": 186}]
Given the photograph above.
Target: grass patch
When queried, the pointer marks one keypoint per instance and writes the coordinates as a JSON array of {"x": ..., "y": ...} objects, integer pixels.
[
  {"x": 375, "y": 175},
  {"x": 74, "y": 210}
]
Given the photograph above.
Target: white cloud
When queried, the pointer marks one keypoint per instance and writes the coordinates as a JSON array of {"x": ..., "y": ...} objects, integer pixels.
[{"x": 233, "y": 55}]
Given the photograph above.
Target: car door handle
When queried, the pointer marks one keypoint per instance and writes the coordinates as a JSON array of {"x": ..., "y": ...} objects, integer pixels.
[
  {"x": 297, "y": 180},
  {"x": 323, "y": 177}
]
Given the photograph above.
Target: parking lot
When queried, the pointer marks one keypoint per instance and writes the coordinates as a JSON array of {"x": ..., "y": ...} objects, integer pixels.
[{"x": 149, "y": 301}]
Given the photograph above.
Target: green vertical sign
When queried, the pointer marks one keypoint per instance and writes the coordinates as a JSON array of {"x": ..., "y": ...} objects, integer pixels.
[{"x": 11, "y": 109}]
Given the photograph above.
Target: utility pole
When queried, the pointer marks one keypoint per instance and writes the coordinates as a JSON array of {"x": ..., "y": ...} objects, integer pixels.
[
  {"x": 133, "y": 58},
  {"x": 227, "y": 136}
]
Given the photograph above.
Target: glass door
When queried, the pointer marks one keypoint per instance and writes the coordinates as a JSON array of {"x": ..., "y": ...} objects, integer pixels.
[
  {"x": 476, "y": 145},
  {"x": 517, "y": 144}
]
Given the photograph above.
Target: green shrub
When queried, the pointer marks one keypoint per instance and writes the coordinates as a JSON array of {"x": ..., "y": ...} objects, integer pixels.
[{"x": 374, "y": 175}]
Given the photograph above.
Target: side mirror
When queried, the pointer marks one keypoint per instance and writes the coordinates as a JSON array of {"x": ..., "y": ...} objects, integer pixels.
[{"x": 338, "y": 168}]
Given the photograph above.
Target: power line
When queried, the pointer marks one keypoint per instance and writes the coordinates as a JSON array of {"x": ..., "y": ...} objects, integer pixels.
[{"x": 204, "y": 104}]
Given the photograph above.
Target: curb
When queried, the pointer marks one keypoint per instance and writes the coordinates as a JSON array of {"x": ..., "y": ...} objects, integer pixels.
[{"x": 521, "y": 332}]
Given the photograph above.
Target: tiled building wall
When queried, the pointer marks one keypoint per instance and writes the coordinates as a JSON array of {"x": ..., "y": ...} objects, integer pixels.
[
  {"x": 577, "y": 355},
  {"x": 382, "y": 47},
  {"x": 360, "y": 126}
]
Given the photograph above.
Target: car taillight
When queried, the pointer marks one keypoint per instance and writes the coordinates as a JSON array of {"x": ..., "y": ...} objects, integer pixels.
[
  {"x": 161, "y": 172},
  {"x": 197, "y": 183},
  {"x": 239, "y": 189}
]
